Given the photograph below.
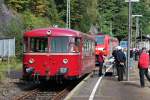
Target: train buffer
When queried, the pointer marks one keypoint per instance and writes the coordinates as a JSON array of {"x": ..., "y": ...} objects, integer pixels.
[{"x": 109, "y": 88}]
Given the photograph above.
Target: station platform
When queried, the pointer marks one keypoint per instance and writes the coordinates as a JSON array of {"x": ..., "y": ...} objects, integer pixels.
[{"x": 109, "y": 88}]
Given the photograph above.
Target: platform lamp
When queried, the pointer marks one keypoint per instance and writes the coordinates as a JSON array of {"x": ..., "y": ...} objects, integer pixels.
[{"x": 129, "y": 34}]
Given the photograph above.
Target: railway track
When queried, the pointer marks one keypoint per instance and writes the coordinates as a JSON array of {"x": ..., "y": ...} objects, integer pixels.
[
  {"x": 44, "y": 92},
  {"x": 37, "y": 94},
  {"x": 62, "y": 94}
]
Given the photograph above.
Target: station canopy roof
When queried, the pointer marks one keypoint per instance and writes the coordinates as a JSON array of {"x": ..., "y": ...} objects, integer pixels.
[
  {"x": 143, "y": 37},
  {"x": 5, "y": 37}
]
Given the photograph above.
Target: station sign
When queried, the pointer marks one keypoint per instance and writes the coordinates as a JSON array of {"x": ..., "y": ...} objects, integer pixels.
[{"x": 124, "y": 44}]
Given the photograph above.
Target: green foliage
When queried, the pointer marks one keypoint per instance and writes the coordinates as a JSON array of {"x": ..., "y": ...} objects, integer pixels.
[
  {"x": 106, "y": 14},
  {"x": 85, "y": 24},
  {"x": 13, "y": 63},
  {"x": 31, "y": 21},
  {"x": 83, "y": 14},
  {"x": 52, "y": 12},
  {"x": 18, "y": 5},
  {"x": 143, "y": 8},
  {"x": 1, "y": 76},
  {"x": 39, "y": 7},
  {"x": 113, "y": 14}
]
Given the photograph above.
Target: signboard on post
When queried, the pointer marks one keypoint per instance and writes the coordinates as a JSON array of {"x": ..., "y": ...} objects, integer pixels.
[
  {"x": 124, "y": 44},
  {"x": 132, "y": 0}
]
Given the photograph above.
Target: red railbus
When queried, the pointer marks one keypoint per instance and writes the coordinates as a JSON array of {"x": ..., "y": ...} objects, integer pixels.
[{"x": 57, "y": 53}]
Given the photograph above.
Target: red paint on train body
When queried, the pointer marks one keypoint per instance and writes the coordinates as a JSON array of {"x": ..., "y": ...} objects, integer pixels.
[
  {"x": 105, "y": 43},
  {"x": 48, "y": 53}
]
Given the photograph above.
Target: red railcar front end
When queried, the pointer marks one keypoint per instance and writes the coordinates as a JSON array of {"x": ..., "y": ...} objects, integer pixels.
[{"x": 52, "y": 65}]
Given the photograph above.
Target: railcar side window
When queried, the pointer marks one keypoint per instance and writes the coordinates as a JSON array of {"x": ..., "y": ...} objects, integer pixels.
[
  {"x": 25, "y": 45},
  {"x": 74, "y": 44},
  {"x": 39, "y": 44},
  {"x": 88, "y": 47}
]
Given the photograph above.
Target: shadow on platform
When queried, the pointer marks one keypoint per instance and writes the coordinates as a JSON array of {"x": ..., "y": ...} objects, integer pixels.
[{"x": 108, "y": 74}]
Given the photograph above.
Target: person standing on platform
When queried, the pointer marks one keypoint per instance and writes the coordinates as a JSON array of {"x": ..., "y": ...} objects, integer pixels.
[
  {"x": 131, "y": 59},
  {"x": 114, "y": 54},
  {"x": 120, "y": 59},
  {"x": 101, "y": 61},
  {"x": 143, "y": 65},
  {"x": 136, "y": 54}
]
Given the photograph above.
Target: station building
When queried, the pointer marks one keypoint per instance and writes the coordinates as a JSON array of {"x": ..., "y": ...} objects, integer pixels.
[{"x": 143, "y": 41}]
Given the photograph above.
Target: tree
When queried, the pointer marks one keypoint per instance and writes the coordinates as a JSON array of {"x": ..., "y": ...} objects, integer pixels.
[
  {"x": 18, "y": 5},
  {"x": 88, "y": 14},
  {"x": 143, "y": 8},
  {"x": 52, "y": 12},
  {"x": 112, "y": 12},
  {"x": 31, "y": 21},
  {"x": 39, "y": 7},
  {"x": 84, "y": 13}
]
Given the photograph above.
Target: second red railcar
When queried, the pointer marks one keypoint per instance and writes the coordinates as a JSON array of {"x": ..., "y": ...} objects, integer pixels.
[{"x": 105, "y": 43}]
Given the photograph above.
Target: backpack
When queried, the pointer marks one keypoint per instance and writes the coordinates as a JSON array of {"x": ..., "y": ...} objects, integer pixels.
[{"x": 120, "y": 56}]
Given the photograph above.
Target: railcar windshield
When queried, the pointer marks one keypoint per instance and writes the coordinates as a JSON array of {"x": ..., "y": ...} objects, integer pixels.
[
  {"x": 57, "y": 44},
  {"x": 64, "y": 44},
  {"x": 100, "y": 39},
  {"x": 36, "y": 44}
]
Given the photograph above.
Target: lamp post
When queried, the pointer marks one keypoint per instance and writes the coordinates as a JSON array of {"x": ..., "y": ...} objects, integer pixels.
[{"x": 129, "y": 34}]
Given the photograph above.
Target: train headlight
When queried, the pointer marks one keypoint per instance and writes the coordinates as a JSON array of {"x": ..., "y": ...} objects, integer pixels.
[
  {"x": 65, "y": 61},
  {"x": 31, "y": 61},
  {"x": 63, "y": 70},
  {"x": 49, "y": 32}
]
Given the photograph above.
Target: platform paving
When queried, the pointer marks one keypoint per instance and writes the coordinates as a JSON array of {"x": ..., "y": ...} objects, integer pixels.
[{"x": 111, "y": 89}]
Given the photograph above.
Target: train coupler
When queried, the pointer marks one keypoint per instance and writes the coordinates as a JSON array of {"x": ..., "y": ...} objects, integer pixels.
[
  {"x": 36, "y": 78},
  {"x": 47, "y": 75}
]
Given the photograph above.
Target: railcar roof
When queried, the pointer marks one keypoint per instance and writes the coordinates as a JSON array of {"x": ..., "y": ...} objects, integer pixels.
[{"x": 54, "y": 32}]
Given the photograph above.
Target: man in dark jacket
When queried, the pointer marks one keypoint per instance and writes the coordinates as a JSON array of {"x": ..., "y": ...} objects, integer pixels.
[{"x": 120, "y": 60}]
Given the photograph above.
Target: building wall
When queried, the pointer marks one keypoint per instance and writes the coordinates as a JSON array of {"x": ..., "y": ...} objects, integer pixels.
[
  {"x": 7, "y": 48},
  {"x": 143, "y": 44}
]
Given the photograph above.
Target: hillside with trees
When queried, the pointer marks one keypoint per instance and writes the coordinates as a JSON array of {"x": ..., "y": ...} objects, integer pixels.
[{"x": 109, "y": 16}]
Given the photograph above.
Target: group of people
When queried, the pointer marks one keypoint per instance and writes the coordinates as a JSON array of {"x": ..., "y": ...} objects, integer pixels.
[
  {"x": 120, "y": 59},
  {"x": 120, "y": 63}
]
